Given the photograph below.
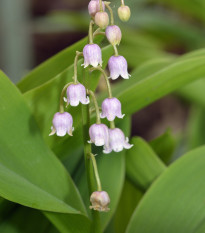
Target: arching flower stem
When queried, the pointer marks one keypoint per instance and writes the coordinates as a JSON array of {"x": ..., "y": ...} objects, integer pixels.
[
  {"x": 61, "y": 109},
  {"x": 99, "y": 187},
  {"x": 78, "y": 54},
  {"x": 90, "y": 33},
  {"x": 106, "y": 79},
  {"x": 98, "y": 121},
  {"x": 107, "y": 5}
]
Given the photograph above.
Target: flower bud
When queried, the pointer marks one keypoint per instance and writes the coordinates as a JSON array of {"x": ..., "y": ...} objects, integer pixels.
[
  {"x": 76, "y": 93},
  {"x": 117, "y": 141},
  {"x": 100, "y": 201},
  {"x": 62, "y": 124},
  {"x": 111, "y": 108},
  {"x": 118, "y": 67},
  {"x": 124, "y": 13},
  {"x": 92, "y": 55},
  {"x": 113, "y": 34},
  {"x": 99, "y": 135},
  {"x": 102, "y": 19},
  {"x": 94, "y": 7}
]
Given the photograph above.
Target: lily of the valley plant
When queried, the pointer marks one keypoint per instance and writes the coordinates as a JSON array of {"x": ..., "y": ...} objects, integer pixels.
[{"x": 111, "y": 138}]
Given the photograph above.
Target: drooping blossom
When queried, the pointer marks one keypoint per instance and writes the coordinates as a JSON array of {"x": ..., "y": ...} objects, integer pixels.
[
  {"x": 113, "y": 34},
  {"x": 92, "y": 55},
  {"x": 111, "y": 108},
  {"x": 99, "y": 135},
  {"x": 76, "y": 93},
  {"x": 117, "y": 141},
  {"x": 100, "y": 201},
  {"x": 118, "y": 67},
  {"x": 62, "y": 124},
  {"x": 124, "y": 13},
  {"x": 102, "y": 19},
  {"x": 94, "y": 7}
]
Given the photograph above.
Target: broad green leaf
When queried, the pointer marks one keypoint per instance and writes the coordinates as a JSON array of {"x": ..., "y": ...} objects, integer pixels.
[
  {"x": 161, "y": 83},
  {"x": 69, "y": 223},
  {"x": 53, "y": 66},
  {"x": 25, "y": 220},
  {"x": 174, "y": 203},
  {"x": 30, "y": 173},
  {"x": 194, "y": 92},
  {"x": 195, "y": 132},
  {"x": 130, "y": 198},
  {"x": 164, "y": 146},
  {"x": 137, "y": 48},
  {"x": 142, "y": 164}
]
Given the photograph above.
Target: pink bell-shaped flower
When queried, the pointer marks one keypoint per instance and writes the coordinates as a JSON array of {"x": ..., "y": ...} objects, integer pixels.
[
  {"x": 94, "y": 7},
  {"x": 111, "y": 108},
  {"x": 100, "y": 201},
  {"x": 113, "y": 34},
  {"x": 62, "y": 124},
  {"x": 117, "y": 141},
  {"x": 92, "y": 55},
  {"x": 118, "y": 67},
  {"x": 99, "y": 135},
  {"x": 76, "y": 93}
]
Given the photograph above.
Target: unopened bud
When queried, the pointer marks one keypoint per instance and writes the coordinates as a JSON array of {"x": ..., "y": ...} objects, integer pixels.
[
  {"x": 113, "y": 34},
  {"x": 102, "y": 19},
  {"x": 124, "y": 13},
  {"x": 94, "y": 7},
  {"x": 100, "y": 201}
]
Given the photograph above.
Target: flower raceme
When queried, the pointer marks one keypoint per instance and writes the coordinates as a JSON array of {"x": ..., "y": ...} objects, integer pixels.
[
  {"x": 76, "y": 93},
  {"x": 62, "y": 124},
  {"x": 118, "y": 67},
  {"x": 111, "y": 108},
  {"x": 92, "y": 55},
  {"x": 117, "y": 141}
]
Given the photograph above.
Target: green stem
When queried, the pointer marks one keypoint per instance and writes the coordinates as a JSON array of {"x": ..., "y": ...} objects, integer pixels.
[
  {"x": 107, "y": 4},
  {"x": 91, "y": 32},
  {"x": 101, "y": 6},
  {"x": 116, "y": 51},
  {"x": 96, "y": 172},
  {"x": 112, "y": 124},
  {"x": 96, "y": 222},
  {"x": 98, "y": 121},
  {"x": 106, "y": 79},
  {"x": 75, "y": 79},
  {"x": 61, "y": 109}
]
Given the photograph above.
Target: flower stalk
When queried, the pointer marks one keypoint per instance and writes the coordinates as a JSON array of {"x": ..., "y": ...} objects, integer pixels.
[
  {"x": 78, "y": 54},
  {"x": 61, "y": 108},
  {"x": 98, "y": 121},
  {"x": 99, "y": 187},
  {"x": 106, "y": 79},
  {"x": 107, "y": 5}
]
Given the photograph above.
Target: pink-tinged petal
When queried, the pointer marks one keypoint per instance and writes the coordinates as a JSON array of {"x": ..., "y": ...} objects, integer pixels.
[
  {"x": 62, "y": 123},
  {"x": 111, "y": 108},
  {"x": 94, "y": 7},
  {"x": 92, "y": 55},
  {"x": 99, "y": 134},
  {"x": 100, "y": 201},
  {"x": 113, "y": 34},
  {"x": 76, "y": 93},
  {"x": 118, "y": 67},
  {"x": 117, "y": 141}
]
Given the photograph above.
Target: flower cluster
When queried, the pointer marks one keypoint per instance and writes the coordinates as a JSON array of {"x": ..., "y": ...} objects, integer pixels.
[{"x": 112, "y": 139}]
